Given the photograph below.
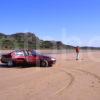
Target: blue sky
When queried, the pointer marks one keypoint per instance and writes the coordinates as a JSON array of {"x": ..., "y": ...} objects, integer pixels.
[{"x": 75, "y": 22}]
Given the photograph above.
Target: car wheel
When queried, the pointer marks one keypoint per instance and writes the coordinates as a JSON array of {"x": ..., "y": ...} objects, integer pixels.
[
  {"x": 44, "y": 63},
  {"x": 10, "y": 63}
]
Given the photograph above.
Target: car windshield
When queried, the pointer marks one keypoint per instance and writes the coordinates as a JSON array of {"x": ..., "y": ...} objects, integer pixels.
[{"x": 35, "y": 53}]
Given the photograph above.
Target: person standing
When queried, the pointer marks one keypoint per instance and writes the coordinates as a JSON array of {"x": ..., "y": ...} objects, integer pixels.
[{"x": 77, "y": 52}]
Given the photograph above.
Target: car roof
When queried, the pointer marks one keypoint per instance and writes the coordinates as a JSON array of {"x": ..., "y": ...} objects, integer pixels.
[{"x": 23, "y": 50}]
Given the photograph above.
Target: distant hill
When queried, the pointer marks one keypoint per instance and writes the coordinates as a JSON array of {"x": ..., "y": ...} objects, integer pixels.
[
  {"x": 29, "y": 40},
  {"x": 90, "y": 48},
  {"x": 18, "y": 40}
]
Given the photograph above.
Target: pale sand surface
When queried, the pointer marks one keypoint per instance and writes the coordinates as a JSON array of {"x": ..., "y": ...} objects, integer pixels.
[{"x": 68, "y": 79}]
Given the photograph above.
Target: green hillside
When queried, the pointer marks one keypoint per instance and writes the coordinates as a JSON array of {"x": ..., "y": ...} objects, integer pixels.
[{"x": 28, "y": 41}]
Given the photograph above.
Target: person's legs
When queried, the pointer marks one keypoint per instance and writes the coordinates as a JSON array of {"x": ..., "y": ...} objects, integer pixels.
[{"x": 77, "y": 56}]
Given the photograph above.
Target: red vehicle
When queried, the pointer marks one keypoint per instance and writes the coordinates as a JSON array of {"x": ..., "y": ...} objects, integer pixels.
[{"x": 27, "y": 57}]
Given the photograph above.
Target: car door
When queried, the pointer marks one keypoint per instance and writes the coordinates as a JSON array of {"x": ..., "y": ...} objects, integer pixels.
[{"x": 30, "y": 58}]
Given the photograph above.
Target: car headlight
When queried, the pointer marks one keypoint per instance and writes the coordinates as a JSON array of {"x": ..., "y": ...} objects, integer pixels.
[{"x": 53, "y": 59}]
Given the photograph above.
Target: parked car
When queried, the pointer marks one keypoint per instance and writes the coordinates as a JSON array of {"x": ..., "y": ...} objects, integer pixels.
[{"x": 27, "y": 57}]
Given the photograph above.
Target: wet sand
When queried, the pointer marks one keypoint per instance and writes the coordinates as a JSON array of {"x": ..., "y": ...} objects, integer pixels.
[{"x": 68, "y": 79}]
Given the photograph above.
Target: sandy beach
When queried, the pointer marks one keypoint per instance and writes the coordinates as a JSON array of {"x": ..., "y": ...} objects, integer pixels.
[{"x": 68, "y": 79}]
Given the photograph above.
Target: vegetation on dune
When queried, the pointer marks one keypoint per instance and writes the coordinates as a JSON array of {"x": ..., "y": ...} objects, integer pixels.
[
  {"x": 31, "y": 41},
  {"x": 28, "y": 41}
]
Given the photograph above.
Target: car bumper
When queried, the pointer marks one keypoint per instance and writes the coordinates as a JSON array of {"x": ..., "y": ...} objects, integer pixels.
[{"x": 51, "y": 62}]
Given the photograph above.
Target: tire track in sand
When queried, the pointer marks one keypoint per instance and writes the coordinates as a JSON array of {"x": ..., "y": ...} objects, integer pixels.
[
  {"x": 89, "y": 73},
  {"x": 72, "y": 78}
]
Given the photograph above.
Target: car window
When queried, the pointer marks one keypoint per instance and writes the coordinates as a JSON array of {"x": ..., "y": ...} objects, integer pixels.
[
  {"x": 33, "y": 53},
  {"x": 19, "y": 53},
  {"x": 26, "y": 53},
  {"x": 29, "y": 53}
]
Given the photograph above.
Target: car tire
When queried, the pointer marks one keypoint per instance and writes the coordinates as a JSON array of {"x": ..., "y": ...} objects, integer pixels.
[
  {"x": 10, "y": 63},
  {"x": 44, "y": 63}
]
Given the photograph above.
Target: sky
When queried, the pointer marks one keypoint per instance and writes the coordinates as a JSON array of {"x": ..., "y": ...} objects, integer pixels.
[{"x": 74, "y": 22}]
